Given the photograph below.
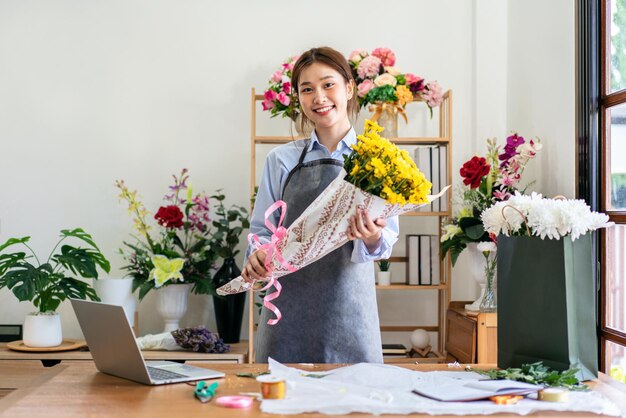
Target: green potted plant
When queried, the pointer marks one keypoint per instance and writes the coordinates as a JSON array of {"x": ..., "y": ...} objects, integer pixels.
[
  {"x": 383, "y": 276},
  {"x": 228, "y": 227},
  {"x": 49, "y": 283}
]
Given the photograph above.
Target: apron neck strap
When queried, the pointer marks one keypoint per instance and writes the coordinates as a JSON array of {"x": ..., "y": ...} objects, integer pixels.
[{"x": 304, "y": 151}]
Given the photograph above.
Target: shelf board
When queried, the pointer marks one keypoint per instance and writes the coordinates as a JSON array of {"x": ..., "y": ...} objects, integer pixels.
[
  {"x": 426, "y": 214},
  {"x": 398, "y": 259},
  {"x": 398, "y": 141},
  {"x": 412, "y": 287},
  {"x": 275, "y": 139},
  {"x": 409, "y": 328},
  {"x": 433, "y": 357}
]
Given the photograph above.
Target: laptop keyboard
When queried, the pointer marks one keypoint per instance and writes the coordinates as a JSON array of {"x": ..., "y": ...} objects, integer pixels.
[{"x": 160, "y": 374}]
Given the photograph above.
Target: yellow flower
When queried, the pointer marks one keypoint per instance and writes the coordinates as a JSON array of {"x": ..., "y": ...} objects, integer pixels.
[
  {"x": 166, "y": 269},
  {"x": 383, "y": 169},
  {"x": 450, "y": 231},
  {"x": 465, "y": 213},
  {"x": 355, "y": 169}
]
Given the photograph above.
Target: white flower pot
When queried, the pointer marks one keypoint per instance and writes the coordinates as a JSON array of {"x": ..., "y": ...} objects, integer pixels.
[
  {"x": 42, "y": 330},
  {"x": 172, "y": 304},
  {"x": 118, "y": 292},
  {"x": 383, "y": 278}
]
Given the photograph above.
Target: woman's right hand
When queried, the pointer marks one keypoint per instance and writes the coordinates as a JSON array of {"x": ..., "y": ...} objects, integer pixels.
[{"x": 255, "y": 267}]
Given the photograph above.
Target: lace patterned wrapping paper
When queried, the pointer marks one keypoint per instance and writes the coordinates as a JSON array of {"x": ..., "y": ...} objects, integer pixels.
[{"x": 323, "y": 226}]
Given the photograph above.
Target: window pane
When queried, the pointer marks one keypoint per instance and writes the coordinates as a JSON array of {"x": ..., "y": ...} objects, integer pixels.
[
  {"x": 615, "y": 361},
  {"x": 616, "y": 297},
  {"x": 617, "y": 158},
  {"x": 618, "y": 45}
]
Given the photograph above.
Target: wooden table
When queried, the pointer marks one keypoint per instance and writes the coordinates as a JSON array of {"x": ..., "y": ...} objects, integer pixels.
[
  {"x": 78, "y": 390},
  {"x": 238, "y": 354}
]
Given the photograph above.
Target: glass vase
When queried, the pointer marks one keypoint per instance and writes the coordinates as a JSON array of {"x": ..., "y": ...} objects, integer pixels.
[
  {"x": 489, "y": 302},
  {"x": 388, "y": 119}
]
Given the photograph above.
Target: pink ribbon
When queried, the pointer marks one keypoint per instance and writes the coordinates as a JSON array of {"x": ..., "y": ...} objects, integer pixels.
[{"x": 271, "y": 248}]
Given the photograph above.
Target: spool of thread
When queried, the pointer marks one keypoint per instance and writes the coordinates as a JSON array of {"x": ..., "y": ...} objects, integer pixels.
[
  {"x": 234, "y": 401},
  {"x": 272, "y": 387},
  {"x": 553, "y": 395}
]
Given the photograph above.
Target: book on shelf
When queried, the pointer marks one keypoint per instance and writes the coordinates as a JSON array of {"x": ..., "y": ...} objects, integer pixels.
[
  {"x": 432, "y": 160},
  {"x": 394, "y": 349},
  {"x": 423, "y": 264}
]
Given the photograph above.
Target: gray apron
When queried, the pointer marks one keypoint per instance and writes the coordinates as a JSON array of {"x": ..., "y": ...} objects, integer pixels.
[{"x": 329, "y": 310}]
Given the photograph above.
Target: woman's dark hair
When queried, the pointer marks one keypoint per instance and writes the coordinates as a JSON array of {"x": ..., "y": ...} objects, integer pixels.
[{"x": 335, "y": 60}]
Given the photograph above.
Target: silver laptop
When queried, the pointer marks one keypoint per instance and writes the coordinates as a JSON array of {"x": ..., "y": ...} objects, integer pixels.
[{"x": 115, "y": 351}]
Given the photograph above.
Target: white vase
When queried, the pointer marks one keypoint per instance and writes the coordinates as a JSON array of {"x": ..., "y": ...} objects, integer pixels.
[
  {"x": 43, "y": 330},
  {"x": 172, "y": 304},
  {"x": 477, "y": 271},
  {"x": 383, "y": 278},
  {"x": 118, "y": 292}
]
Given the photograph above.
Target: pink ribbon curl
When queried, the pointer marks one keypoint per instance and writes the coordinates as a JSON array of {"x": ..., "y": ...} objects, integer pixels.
[{"x": 271, "y": 249}]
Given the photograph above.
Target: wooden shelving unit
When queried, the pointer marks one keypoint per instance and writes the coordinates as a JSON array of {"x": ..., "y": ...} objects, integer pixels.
[{"x": 443, "y": 289}]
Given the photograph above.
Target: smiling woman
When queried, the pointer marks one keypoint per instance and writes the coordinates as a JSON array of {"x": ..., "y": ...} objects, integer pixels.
[
  {"x": 329, "y": 311},
  {"x": 325, "y": 91}
]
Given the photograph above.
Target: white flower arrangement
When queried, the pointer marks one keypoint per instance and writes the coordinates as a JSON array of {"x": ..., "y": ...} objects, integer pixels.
[{"x": 543, "y": 217}]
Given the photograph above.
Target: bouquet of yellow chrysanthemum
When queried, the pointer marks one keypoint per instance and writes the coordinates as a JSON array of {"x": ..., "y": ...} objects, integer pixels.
[
  {"x": 378, "y": 177},
  {"x": 379, "y": 167}
]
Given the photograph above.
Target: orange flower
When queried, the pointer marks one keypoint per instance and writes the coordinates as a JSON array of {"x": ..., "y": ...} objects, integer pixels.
[{"x": 404, "y": 95}]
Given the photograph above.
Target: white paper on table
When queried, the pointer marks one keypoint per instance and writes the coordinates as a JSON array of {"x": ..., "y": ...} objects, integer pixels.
[
  {"x": 163, "y": 341},
  {"x": 386, "y": 389},
  {"x": 322, "y": 227}
]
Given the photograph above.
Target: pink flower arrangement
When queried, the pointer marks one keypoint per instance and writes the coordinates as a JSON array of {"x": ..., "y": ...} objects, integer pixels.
[
  {"x": 279, "y": 99},
  {"x": 378, "y": 81}
]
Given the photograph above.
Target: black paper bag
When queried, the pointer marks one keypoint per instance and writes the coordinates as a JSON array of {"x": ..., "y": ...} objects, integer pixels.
[{"x": 546, "y": 304}]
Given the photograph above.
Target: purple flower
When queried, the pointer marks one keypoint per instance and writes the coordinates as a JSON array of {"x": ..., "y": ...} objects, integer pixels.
[
  {"x": 200, "y": 339},
  {"x": 510, "y": 149}
]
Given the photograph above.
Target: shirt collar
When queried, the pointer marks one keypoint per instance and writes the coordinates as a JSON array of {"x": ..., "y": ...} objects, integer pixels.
[{"x": 345, "y": 143}]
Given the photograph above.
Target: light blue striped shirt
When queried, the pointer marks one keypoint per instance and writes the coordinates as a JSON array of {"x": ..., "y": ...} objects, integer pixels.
[{"x": 279, "y": 163}]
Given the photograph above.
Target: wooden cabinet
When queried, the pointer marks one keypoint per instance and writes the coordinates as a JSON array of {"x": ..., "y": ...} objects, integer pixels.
[
  {"x": 471, "y": 337},
  {"x": 444, "y": 284}
]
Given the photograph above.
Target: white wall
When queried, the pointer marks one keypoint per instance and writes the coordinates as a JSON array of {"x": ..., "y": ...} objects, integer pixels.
[
  {"x": 91, "y": 92},
  {"x": 541, "y": 88}
]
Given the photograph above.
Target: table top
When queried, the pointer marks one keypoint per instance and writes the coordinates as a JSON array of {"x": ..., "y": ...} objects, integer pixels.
[
  {"x": 238, "y": 354},
  {"x": 78, "y": 390}
]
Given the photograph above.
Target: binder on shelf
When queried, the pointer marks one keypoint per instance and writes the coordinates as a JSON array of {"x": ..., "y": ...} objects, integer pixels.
[
  {"x": 422, "y": 160},
  {"x": 443, "y": 177},
  {"x": 432, "y": 160},
  {"x": 412, "y": 265},
  {"x": 435, "y": 176},
  {"x": 424, "y": 260},
  {"x": 423, "y": 265},
  {"x": 435, "y": 262}
]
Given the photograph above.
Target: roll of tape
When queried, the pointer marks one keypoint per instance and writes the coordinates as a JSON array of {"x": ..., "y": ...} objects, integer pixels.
[
  {"x": 234, "y": 401},
  {"x": 272, "y": 387},
  {"x": 554, "y": 395}
]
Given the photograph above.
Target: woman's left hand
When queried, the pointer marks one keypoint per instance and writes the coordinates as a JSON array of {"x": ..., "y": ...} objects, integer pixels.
[{"x": 364, "y": 228}]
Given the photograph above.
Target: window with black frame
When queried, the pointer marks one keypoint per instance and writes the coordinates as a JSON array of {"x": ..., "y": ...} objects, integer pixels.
[{"x": 611, "y": 192}]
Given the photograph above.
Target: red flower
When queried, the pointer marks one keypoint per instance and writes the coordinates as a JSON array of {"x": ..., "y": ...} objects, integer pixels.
[
  {"x": 474, "y": 170},
  {"x": 169, "y": 216}
]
